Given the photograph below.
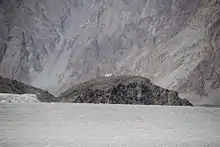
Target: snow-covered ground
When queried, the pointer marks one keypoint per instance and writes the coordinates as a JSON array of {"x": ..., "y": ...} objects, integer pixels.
[
  {"x": 18, "y": 98},
  {"x": 85, "y": 125}
]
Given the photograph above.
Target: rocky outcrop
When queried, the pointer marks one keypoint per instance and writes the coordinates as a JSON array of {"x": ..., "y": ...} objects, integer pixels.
[
  {"x": 10, "y": 87},
  {"x": 56, "y": 44},
  {"x": 122, "y": 90},
  {"x": 18, "y": 98}
]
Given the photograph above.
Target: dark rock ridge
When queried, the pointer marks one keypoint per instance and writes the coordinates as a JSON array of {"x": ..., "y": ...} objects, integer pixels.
[
  {"x": 122, "y": 90},
  {"x": 15, "y": 87}
]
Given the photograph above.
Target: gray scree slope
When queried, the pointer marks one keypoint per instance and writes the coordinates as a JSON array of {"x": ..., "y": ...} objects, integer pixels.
[{"x": 54, "y": 44}]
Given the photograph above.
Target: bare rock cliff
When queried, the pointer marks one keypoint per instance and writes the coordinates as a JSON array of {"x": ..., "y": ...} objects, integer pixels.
[{"x": 55, "y": 44}]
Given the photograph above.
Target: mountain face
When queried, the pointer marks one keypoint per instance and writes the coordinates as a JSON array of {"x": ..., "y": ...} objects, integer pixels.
[
  {"x": 53, "y": 44},
  {"x": 122, "y": 90}
]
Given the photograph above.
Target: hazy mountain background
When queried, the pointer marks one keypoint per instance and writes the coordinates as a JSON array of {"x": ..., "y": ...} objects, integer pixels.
[{"x": 54, "y": 44}]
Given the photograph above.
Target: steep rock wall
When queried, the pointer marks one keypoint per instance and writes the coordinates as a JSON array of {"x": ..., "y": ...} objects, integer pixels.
[{"x": 56, "y": 44}]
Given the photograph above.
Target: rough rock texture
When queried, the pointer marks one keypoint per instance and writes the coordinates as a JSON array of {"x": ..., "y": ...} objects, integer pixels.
[
  {"x": 55, "y": 44},
  {"x": 122, "y": 90},
  {"x": 10, "y": 87},
  {"x": 18, "y": 98}
]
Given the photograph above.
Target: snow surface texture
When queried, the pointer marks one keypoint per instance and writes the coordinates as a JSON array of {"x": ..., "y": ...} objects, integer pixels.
[
  {"x": 85, "y": 125},
  {"x": 18, "y": 98},
  {"x": 53, "y": 44}
]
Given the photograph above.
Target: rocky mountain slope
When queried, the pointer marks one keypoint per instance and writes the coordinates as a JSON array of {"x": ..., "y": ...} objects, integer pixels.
[
  {"x": 122, "y": 90},
  {"x": 56, "y": 44},
  {"x": 13, "y": 87},
  {"x": 111, "y": 90}
]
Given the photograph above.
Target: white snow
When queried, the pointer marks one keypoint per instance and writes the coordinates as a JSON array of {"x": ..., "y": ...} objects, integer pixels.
[
  {"x": 18, "y": 98},
  {"x": 85, "y": 125},
  {"x": 108, "y": 75}
]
